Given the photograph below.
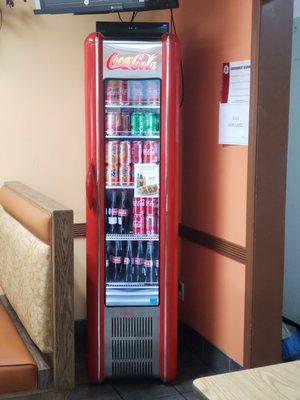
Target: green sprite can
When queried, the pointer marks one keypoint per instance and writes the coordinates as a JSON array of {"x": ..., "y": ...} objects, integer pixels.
[
  {"x": 138, "y": 123},
  {"x": 152, "y": 124}
]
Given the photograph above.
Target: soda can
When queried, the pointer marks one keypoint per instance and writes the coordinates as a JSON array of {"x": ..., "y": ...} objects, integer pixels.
[
  {"x": 125, "y": 123},
  {"x": 125, "y": 153},
  {"x": 137, "y": 152},
  {"x": 152, "y": 124},
  {"x": 123, "y": 92},
  {"x": 112, "y": 92},
  {"x": 153, "y": 92},
  {"x": 156, "y": 206},
  {"x": 113, "y": 123},
  {"x": 138, "y": 123},
  {"x": 132, "y": 174},
  {"x": 112, "y": 152},
  {"x": 136, "y": 92},
  {"x": 151, "y": 152},
  {"x": 125, "y": 175},
  {"x": 138, "y": 206},
  {"x": 150, "y": 206},
  {"x": 151, "y": 225},
  {"x": 112, "y": 176},
  {"x": 138, "y": 224}
]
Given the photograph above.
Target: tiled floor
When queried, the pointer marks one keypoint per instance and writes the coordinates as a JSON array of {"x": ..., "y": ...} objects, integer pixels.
[{"x": 189, "y": 368}]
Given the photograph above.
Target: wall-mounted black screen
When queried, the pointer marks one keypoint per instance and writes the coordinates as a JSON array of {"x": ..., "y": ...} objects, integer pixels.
[{"x": 100, "y": 6}]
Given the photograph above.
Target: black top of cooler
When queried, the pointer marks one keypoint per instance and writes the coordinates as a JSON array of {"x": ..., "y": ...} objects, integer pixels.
[{"x": 132, "y": 30}]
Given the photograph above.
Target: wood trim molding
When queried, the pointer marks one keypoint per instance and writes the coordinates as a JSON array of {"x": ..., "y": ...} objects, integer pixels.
[
  {"x": 79, "y": 230},
  {"x": 63, "y": 300},
  {"x": 217, "y": 244},
  {"x": 269, "y": 114}
]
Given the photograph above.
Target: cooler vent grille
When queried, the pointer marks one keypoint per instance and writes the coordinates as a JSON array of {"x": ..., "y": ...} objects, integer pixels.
[{"x": 132, "y": 346}]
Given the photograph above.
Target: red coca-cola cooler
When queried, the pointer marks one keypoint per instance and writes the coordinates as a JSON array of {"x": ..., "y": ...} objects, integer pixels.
[{"x": 132, "y": 141}]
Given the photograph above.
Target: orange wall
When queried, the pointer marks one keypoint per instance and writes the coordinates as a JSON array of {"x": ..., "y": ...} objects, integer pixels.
[{"x": 214, "y": 177}]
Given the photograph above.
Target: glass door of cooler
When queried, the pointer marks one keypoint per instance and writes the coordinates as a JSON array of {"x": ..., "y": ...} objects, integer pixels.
[{"x": 132, "y": 190}]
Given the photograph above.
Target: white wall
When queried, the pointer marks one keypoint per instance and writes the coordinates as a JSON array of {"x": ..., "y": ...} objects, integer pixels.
[
  {"x": 291, "y": 298},
  {"x": 296, "y": 8}
]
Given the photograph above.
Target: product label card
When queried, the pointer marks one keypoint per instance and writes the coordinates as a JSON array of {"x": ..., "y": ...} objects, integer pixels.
[{"x": 146, "y": 180}]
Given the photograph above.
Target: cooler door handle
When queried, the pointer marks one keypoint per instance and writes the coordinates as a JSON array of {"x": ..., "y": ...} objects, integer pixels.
[{"x": 91, "y": 187}]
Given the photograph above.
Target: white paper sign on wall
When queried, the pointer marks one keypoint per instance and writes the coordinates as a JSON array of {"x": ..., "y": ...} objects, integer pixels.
[{"x": 234, "y": 105}]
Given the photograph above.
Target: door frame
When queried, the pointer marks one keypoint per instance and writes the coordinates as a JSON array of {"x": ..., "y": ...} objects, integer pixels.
[{"x": 267, "y": 165}]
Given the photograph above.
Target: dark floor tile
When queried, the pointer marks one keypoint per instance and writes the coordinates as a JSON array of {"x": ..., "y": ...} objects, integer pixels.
[
  {"x": 146, "y": 390},
  {"x": 217, "y": 360},
  {"x": 184, "y": 380},
  {"x": 234, "y": 366},
  {"x": 190, "y": 339},
  {"x": 93, "y": 392},
  {"x": 173, "y": 397},
  {"x": 190, "y": 396},
  {"x": 187, "y": 357},
  {"x": 81, "y": 373}
]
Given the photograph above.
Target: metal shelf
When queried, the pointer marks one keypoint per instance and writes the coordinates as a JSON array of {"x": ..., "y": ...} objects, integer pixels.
[
  {"x": 131, "y": 237},
  {"x": 135, "y": 285},
  {"x": 119, "y": 187},
  {"x": 133, "y": 137},
  {"x": 131, "y": 106}
]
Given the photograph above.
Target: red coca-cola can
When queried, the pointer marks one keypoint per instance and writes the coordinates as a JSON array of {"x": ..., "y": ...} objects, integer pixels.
[
  {"x": 137, "y": 152},
  {"x": 151, "y": 225},
  {"x": 151, "y": 206},
  {"x": 125, "y": 175},
  {"x": 112, "y": 91},
  {"x": 138, "y": 206},
  {"x": 151, "y": 152},
  {"x": 113, "y": 123},
  {"x": 123, "y": 92},
  {"x": 136, "y": 92},
  {"x": 125, "y": 153},
  {"x": 125, "y": 123},
  {"x": 112, "y": 176},
  {"x": 138, "y": 224},
  {"x": 153, "y": 92},
  {"x": 112, "y": 152}
]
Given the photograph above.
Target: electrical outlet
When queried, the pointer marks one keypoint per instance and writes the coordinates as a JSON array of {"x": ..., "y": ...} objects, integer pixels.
[{"x": 181, "y": 291}]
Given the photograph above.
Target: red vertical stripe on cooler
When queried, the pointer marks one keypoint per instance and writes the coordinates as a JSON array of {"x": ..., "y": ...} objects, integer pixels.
[
  {"x": 169, "y": 207},
  {"x": 94, "y": 209},
  {"x": 225, "y": 83}
]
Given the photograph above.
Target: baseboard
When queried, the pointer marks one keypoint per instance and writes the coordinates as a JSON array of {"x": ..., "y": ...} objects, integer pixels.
[{"x": 210, "y": 355}]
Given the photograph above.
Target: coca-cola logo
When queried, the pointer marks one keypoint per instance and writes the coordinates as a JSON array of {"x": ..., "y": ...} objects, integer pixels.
[
  {"x": 138, "y": 62},
  {"x": 123, "y": 213},
  {"x": 138, "y": 202}
]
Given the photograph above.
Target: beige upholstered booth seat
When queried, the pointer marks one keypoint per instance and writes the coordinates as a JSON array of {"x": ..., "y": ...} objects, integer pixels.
[
  {"x": 26, "y": 279},
  {"x": 36, "y": 306},
  {"x": 18, "y": 371}
]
